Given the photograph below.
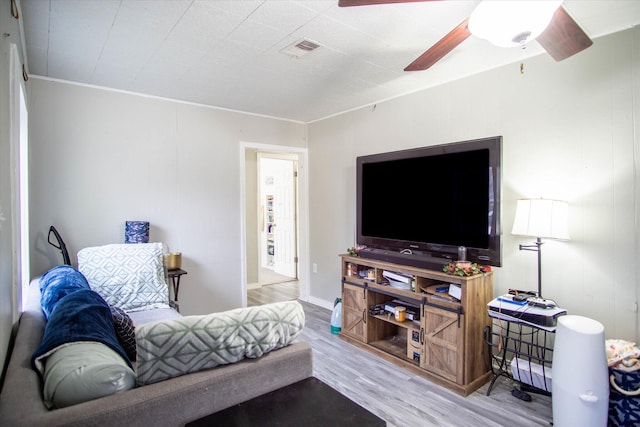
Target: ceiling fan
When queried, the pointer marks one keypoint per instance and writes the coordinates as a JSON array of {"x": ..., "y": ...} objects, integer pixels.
[{"x": 561, "y": 38}]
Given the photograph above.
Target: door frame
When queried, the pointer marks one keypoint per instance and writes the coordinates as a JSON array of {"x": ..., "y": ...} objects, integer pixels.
[{"x": 303, "y": 211}]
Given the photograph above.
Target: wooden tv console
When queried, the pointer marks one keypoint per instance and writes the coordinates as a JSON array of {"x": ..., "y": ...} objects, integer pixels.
[{"x": 446, "y": 345}]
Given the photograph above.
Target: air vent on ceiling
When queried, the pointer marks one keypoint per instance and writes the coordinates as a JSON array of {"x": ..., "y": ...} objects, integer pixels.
[{"x": 300, "y": 48}]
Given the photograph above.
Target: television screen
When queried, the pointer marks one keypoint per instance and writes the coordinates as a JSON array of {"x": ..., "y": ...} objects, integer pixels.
[{"x": 430, "y": 201}]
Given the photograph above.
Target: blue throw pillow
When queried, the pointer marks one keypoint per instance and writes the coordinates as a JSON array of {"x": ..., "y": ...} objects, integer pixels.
[{"x": 57, "y": 283}]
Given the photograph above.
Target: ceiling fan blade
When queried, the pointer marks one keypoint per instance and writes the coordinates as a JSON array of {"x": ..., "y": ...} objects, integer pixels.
[
  {"x": 563, "y": 37},
  {"x": 440, "y": 49},
  {"x": 348, "y": 3}
]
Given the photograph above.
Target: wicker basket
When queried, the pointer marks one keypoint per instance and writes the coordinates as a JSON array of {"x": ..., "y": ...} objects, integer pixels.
[{"x": 624, "y": 398}]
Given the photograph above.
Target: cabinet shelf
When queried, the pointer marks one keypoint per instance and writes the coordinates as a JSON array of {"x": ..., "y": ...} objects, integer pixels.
[
  {"x": 400, "y": 293},
  {"x": 394, "y": 345},
  {"x": 446, "y": 344},
  {"x": 389, "y": 318},
  {"x": 356, "y": 281}
]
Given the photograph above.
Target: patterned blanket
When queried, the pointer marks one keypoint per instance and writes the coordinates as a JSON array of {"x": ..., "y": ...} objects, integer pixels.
[{"x": 177, "y": 347}]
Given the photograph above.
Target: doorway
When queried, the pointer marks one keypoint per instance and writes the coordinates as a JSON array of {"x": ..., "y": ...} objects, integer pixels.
[
  {"x": 277, "y": 204},
  {"x": 274, "y": 232}
]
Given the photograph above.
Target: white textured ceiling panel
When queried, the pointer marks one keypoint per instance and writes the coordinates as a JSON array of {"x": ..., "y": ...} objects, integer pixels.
[{"x": 227, "y": 53}]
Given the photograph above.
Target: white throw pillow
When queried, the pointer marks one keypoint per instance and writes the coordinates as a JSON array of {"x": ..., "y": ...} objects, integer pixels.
[
  {"x": 175, "y": 347},
  {"x": 84, "y": 371},
  {"x": 129, "y": 276}
]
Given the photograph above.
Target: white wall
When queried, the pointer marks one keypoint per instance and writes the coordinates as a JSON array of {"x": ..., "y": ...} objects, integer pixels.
[
  {"x": 570, "y": 132},
  {"x": 100, "y": 158}
]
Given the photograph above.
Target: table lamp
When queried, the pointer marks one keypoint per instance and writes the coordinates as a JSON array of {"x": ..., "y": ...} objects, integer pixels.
[{"x": 541, "y": 218}]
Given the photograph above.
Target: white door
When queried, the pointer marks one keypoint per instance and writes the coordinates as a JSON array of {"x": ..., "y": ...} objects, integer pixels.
[
  {"x": 278, "y": 182},
  {"x": 285, "y": 215}
]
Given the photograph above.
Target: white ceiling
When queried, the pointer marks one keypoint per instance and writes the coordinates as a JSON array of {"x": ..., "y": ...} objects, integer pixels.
[{"x": 227, "y": 53}]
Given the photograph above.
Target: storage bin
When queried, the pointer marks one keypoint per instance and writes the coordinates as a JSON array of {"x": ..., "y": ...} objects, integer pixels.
[
  {"x": 624, "y": 398},
  {"x": 580, "y": 384},
  {"x": 531, "y": 373}
]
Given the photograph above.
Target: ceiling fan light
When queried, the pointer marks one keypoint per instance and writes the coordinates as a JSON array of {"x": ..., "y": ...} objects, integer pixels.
[{"x": 511, "y": 23}]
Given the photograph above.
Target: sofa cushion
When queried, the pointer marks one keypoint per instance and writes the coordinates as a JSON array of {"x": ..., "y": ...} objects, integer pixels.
[
  {"x": 176, "y": 347},
  {"x": 129, "y": 276},
  {"x": 150, "y": 316},
  {"x": 84, "y": 371},
  {"x": 57, "y": 283}
]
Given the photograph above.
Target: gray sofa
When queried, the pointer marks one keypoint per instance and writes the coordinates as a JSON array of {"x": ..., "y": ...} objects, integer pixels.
[{"x": 171, "y": 402}]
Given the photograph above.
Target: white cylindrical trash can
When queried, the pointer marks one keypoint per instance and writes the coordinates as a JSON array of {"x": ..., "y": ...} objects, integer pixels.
[{"x": 580, "y": 389}]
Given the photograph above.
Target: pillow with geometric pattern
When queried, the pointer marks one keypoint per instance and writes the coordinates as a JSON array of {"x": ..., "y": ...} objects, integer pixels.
[
  {"x": 129, "y": 276},
  {"x": 125, "y": 331},
  {"x": 175, "y": 347}
]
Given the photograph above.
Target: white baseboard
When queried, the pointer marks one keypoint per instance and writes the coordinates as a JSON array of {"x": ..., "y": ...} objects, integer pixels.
[
  {"x": 251, "y": 286},
  {"x": 320, "y": 302},
  {"x": 311, "y": 300}
]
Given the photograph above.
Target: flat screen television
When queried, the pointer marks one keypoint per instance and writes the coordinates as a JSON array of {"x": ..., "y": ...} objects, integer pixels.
[{"x": 419, "y": 206}]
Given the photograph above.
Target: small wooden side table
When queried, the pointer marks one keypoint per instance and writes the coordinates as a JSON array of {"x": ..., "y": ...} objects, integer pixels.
[{"x": 175, "y": 275}]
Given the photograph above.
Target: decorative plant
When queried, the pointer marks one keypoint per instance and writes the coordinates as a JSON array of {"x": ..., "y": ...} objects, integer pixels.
[
  {"x": 353, "y": 251},
  {"x": 464, "y": 269}
]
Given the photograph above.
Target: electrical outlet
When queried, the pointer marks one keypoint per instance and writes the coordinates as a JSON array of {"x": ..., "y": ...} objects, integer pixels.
[{"x": 314, "y": 267}]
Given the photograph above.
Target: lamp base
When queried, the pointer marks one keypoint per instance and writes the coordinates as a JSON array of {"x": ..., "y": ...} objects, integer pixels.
[{"x": 536, "y": 247}]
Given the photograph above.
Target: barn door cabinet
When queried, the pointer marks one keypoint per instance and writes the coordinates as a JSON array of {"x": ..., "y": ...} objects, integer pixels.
[{"x": 441, "y": 339}]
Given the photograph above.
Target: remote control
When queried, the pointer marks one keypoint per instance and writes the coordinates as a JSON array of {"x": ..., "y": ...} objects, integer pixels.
[{"x": 541, "y": 302}]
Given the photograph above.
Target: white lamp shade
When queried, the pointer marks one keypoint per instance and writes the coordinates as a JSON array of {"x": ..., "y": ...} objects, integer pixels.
[
  {"x": 542, "y": 218},
  {"x": 511, "y": 23}
]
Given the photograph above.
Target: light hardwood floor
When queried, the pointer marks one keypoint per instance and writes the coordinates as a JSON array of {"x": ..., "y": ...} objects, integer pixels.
[
  {"x": 273, "y": 293},
  {"x": 398, "y": 396}
]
